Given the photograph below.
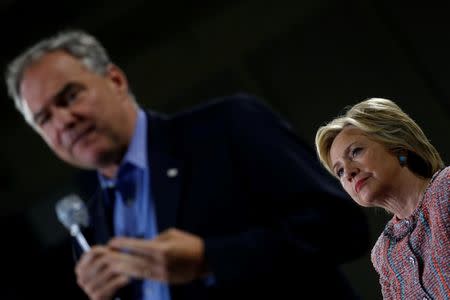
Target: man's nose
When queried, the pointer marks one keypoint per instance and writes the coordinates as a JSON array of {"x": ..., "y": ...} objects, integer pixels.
[{"x": 62, "y": 117}]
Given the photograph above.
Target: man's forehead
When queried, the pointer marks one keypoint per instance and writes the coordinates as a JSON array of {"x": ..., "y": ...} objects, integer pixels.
[
  {"x": 39, "y": 82},
  {"x": 57, "y": 60},
  {"x": 56, "y": 63},
  {"x": 50, "y": 72}
]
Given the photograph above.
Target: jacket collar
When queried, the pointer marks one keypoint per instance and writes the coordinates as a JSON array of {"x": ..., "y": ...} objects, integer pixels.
[{"x": 165, "y": 168}]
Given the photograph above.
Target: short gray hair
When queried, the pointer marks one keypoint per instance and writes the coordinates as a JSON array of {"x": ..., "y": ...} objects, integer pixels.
[{"x": 77, "y": 43}]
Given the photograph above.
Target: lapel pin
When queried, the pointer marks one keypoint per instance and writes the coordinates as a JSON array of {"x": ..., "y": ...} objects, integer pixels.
[{"x": 172, "y": 172}]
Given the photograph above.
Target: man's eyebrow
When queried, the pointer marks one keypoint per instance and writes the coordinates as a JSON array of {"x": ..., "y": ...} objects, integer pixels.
[{"x": 53, "y": 99}]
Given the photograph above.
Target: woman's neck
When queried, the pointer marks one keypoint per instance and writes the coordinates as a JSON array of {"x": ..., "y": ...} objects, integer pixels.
[{"x": 409, "y": 191}]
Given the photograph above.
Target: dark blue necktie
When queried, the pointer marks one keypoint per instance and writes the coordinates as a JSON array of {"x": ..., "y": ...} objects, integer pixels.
[{"x": 126, "y": 187}]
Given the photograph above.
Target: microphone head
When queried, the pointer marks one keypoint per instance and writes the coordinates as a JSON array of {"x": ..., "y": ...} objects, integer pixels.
[{"x": 71, "y": 210}]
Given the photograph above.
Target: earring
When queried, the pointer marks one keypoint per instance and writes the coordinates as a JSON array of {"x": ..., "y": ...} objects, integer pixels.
[{"x": 402, "y": 159}]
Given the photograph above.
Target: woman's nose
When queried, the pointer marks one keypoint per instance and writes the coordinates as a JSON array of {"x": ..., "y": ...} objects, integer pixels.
[{"x": 351, "y": 172}]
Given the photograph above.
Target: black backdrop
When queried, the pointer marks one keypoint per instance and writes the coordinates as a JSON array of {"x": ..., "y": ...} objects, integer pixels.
[{"x": 307, "y": 59}]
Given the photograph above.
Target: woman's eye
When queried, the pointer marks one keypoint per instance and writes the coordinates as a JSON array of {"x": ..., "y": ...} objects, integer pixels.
[
  {"x": 339, "y": 173},
  {"x": 356, "y": 151}
]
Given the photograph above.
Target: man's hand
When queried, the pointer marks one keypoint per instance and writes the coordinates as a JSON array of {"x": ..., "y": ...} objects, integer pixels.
[
  {"x": 174, "y": 256},
  {"x": 95, "y": 274}
]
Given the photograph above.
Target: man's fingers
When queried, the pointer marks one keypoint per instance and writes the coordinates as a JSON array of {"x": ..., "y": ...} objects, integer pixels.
[
  {"x": 88, "y": 257},
  {"x": 107, "y": 290},
  {"x": 139, "y": 267},
  {"x": 91, "y": 263},
  {"x": 173, "y": 256},
  {"x": 132, "y": 244},
  {"x": 96, "y": 276},
  {"x": 99, "y": 279}
]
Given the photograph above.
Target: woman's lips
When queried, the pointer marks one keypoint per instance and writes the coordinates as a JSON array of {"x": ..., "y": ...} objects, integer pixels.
[{"x": 359, "y": 184}]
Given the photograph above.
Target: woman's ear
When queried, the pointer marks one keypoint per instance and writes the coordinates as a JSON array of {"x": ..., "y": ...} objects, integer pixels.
[{"x": 402, "y": 156}]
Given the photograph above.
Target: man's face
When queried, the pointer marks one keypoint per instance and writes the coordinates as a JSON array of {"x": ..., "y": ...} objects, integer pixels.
[{"x": 84, "y": 117}]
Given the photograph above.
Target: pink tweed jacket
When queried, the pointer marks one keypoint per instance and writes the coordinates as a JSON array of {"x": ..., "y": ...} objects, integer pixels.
[{"x": 412, "y": 255}]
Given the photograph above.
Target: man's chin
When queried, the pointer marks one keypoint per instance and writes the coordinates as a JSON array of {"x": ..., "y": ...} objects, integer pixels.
[
  {"x": 96, "y": 160},
  {"x": 91, "y": 158},
  {"x": 87, "y": 161}
]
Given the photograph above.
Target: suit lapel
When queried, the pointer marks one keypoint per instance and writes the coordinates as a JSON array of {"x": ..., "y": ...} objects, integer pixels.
[{"x": 165, "y": 171}]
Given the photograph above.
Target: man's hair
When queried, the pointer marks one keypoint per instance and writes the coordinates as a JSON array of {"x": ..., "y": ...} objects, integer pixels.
[
  {"x": 77, "y": 43},
  {"x": 383, "y": 121}
]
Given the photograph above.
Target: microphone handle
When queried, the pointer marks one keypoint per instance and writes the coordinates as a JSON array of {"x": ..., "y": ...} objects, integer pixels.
[
  {"x": 82, "y": 241},
  {"x": 76, "y": 232}
]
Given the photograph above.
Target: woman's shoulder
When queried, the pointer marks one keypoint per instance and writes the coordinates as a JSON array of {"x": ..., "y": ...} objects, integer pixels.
[
  {"x": 441, "y": 181},
  {"x": 439, "y": 194},
  {"x": 446, "y": 173}
]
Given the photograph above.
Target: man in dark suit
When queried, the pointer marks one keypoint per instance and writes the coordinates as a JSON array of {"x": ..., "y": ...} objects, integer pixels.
[{"x": 219, "y": 202}]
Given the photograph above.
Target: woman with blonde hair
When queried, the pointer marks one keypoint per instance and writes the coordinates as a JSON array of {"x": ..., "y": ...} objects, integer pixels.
[{"x": 383, "y": 159}]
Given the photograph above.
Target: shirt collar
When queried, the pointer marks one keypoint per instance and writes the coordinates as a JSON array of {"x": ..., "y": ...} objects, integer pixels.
[
  {"x": 136, "y": 154},
  {"x": 137, "y": 151}
]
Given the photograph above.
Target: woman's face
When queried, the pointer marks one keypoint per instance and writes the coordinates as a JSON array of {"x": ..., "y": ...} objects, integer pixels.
[{"x": 366, "y": 169}]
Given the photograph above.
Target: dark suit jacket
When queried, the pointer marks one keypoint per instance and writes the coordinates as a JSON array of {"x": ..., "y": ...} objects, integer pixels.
[{"x": 274, "y": 223}]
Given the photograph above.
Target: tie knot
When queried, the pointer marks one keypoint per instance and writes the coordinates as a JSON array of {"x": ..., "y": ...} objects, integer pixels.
[
  {"x": 110, "y": 192},
  {"x": 126, "y": 183},
  {"x": 127, "y": 190}
]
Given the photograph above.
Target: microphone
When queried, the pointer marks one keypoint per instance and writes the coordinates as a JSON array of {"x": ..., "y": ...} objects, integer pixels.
[{"x": 72, "y": 213}]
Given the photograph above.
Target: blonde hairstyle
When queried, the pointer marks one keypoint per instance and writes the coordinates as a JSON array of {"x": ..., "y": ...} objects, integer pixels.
[{"x": 383, "y": 121}]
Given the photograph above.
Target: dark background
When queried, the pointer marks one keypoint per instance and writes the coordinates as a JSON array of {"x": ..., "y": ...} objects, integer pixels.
[{"x": 307, "y": 59}]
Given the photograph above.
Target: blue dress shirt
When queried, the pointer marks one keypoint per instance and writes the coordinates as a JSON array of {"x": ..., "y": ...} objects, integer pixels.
[{"x": 134, "y": 212}]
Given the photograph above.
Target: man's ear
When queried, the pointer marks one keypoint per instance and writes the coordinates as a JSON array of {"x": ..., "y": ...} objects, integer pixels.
[{"x": 117, "y": 78}]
